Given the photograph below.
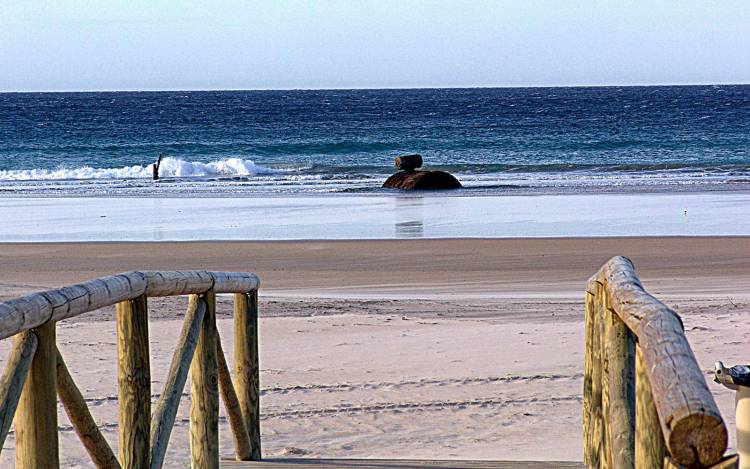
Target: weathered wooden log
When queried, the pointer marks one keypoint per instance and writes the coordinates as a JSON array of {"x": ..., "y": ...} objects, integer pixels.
[
  {"x": 36, "y": 415},
  {"x": 605, "y": 323},
  {"x": 33, "y": 310},
  {"x": 592, "y": 397},
  {"x": 246, "y": 365},
  {"x": 134, "y": 383},
  {"x": 29, "y": 311},
  {"x": 620, "y": 350},
  {"x": 234, "y": 282},
  {"x": 83, "y": 423},
  {"x": 14, "y": 376},
  {"x": 408, "y": 162},
  {"x": 204, "y": 393},
  {"x": 649, "y": 441},
  {"x": 241, "y": 440},
  {"x": 169, "y": 402},
  {"x": 694, "y": 431},
  {"x": 422, "y": 181}
]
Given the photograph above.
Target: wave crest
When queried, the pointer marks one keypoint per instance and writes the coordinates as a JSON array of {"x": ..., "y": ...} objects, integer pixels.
[{"x": 170, "y": 167}]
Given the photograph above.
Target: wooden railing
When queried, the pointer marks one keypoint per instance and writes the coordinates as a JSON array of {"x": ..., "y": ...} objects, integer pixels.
[
  {"x": 646, "y": 403},
  {"x": 36, "y": 375}
]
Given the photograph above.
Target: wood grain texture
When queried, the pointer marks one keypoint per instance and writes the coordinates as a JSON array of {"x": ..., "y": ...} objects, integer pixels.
[
  {"x": 14, "y": 376},
  {"x": 596, "y": 419},
  {"x": 650, "y": 448},
  {"x": 246, "y": 365},
  {"x": 36, "y": 415},
  {"x": 204, "y": 393},
  {"x": 80, "y": 418},
  {"x": 241, "y": 440},
  {"x": 605, "y": 322},
  {"x": 693, "y": 428},
  {"x": 134, "y": 383},
  {"x": 620, "y": 350},
  {"x": 166, "y": 409},
  {"x": 29, "y": 311},
  {"x": 591, "y": 401}
]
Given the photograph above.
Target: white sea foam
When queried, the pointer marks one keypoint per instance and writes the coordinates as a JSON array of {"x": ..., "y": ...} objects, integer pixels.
[{"x": 170, "y": 167}]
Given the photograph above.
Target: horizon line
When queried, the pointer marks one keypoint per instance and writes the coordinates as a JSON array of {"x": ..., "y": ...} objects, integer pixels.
[{"x": 163, "y": 90}]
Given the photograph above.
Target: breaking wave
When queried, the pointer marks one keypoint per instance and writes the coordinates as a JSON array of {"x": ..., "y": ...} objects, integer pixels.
[{"x": 170, "y": 167}]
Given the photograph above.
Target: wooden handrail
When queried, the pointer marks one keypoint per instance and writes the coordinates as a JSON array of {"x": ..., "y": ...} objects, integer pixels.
[
  {"x": 644, "y": 393},
  {"x": 36, "y": 372},
  {"x": 33, "y": 310}
]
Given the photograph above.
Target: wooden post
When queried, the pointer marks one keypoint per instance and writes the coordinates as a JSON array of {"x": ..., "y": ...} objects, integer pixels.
[
  {"x": 605, "y": 326},
  {"x": 134, "y": 383},
  {"x": 621, "y": 418},
  {"x": 81, "y": 419},
  {"x": 592, "y": 399},
  {"x": 650, "y": 448},
  {"x": 246, "y": 366},
  {"x": 36, "y": 415},
  {"x": 169, "y": 402},
  {"x": 591, "y": 402},
  {"x": 14, "y": 376},
  {"x": 204, "y": 393}
]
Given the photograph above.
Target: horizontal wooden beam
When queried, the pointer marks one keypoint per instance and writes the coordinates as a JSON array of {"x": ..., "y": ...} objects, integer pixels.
[{"x": 33, "y": 310}]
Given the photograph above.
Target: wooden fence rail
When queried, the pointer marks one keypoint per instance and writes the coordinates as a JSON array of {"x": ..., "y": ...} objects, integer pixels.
[
  {"x": 36, "y": 375},
  {"x": 645, "y": 400}
]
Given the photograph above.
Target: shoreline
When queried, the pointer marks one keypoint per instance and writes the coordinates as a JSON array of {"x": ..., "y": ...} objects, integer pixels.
[
  {"x": 512, "y": 190},
  {"x": 402, "y": 216}
]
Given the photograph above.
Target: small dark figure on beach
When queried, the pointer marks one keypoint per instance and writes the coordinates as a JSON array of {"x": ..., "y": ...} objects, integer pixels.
[{"x": 156, "y": 167}]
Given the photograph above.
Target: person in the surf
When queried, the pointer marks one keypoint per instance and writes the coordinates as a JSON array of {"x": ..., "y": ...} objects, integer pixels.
[{"x": 155, "y": 167}]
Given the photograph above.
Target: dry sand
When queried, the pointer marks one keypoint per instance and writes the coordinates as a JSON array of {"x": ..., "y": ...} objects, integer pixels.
[{"x": 431, "y": 348}]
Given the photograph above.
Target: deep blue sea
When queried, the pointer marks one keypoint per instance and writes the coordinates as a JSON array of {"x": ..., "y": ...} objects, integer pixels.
[{"x": 497, "y": 141}]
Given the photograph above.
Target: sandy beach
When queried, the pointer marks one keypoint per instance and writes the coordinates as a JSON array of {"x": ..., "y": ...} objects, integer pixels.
[{"x": 422, "y": 348}]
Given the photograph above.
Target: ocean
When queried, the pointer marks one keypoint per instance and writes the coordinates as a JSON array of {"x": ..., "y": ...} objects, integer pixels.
[{"x": 497, "y": 141}]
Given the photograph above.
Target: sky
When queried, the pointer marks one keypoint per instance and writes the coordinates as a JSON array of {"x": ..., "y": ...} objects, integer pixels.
[{"x": 223, "y": 44}]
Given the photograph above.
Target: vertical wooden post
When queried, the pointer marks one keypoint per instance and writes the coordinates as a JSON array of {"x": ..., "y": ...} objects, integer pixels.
[
  {"x": 650, "y": 448},
  {"x": 605, "y": 326},
  {"x": 591, "y": 401},
  {"x": 595, "y": 421},
  {"x": 36, "y": 414},
  {"x": 246, "y": 367},
  {"x": 621, "y": 418},
  {"x": 204, "y": 393},
  {"x": 134, "y": 383}
]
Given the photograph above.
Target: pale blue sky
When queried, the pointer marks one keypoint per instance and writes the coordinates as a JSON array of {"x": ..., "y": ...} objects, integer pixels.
[{"x": 144, "y": 45}]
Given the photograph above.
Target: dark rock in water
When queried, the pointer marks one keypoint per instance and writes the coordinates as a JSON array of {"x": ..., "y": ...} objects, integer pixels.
[
  {"x": 422, "y": 181},
  {"x": 408, "y": 162}
]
